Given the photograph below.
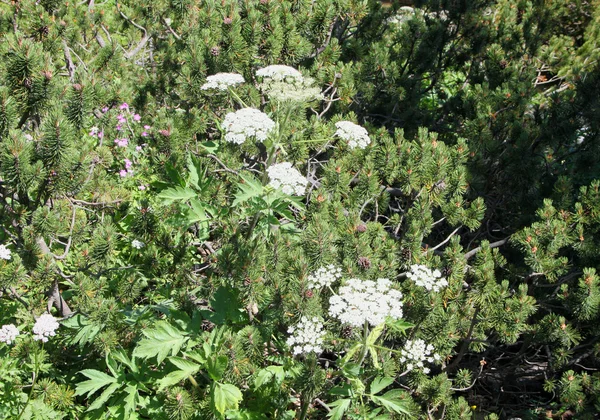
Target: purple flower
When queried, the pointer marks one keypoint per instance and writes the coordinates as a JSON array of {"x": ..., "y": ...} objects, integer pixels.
[
  {"x": 118, "y": 127},
  {"x": 101, "y": 135},
  {"x": 142, "y": 187},
  {"x": 121, "y": 142},
  {"x": 138, "y": 148},
  {"x": 147, "y": 127},
  {"x": 121, "y": 118},
  {"x": 128, "y": 164},
  {"x": 136, "y": 117},
  {"x": 105, "y": 109},
  {"x": 123, "y": 173},
  {"x": 144, "y": 134},
  {"x": 124, "y": 106},
  {"x": 94, "y": 131}
]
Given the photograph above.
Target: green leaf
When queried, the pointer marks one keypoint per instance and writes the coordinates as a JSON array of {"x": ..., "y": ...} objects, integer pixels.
[
  {"x": 266, "y": 376},
  {"x": 216, "y": 366},
  {"x": 226, "y": 307},
  {"x": 160, "y": 341},
  {"x": 176, "y": 194},
  {"x": 248, "y": 189},
  {"x": 392, "y": 401},
  {"x": 338, "y": 408},
  {"x": 225, "y": 397},
  {"x": 375, "y": 334},
  {"x": 186, "y": 368},
  {"x": 398, "y": 325},
  {"x": 379, "y": 383},
  {"x": 96, "y": 381}
]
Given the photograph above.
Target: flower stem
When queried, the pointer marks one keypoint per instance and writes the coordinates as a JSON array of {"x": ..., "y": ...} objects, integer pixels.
[{"x": 364, "y": 343}]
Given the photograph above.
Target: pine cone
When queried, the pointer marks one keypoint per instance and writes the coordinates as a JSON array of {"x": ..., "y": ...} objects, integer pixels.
[
  {"x": 347, "y": 331},
  {"x": 364, "y": 262},
  {"x": 215, "y": 51}
]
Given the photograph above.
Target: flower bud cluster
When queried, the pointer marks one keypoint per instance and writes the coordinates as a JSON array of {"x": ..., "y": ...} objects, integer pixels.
[
  {"x": 424, "y": 277},
  {"x": 8, "y": 333},
  {"x": 307, "y": 336},
  {"x": 45, "y": 327},
  {"x": 221, "y": 81},
  {"x": 247, "y": 122},
  {"x": 359, "y": 301},
  {"x": 354, "y": 134},
  {"x": 286, "y": 178},
  {"x": 324, "y": 277},
  {"x": 415, "y": 352},
  {"x": 137, "y": 244}
]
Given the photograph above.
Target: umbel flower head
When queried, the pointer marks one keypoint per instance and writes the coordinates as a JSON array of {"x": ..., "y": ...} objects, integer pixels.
[
  {"x": 415, "y": 352},
  {"x": 279, "y": 72},
  {"x": 245, "y": 123},
  {"x": 424, "y": 277},
  {"x": 286, "y": 84},
  {"x": 8, "y": 333},
  {"x": 284, "y": 177},
  {"x": 45, "y": 327},
  {"x": 221, "y": 81},
  {"x": 306, "y": 336},
  {"x": 5, "y": 253},
  {"x": 324, "y": 277},
  {"x": 354, "y": 134},
  {"x": 359, "y": 301}
]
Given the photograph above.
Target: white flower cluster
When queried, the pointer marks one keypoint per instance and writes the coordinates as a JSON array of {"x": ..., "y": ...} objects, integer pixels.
[
  {"x": 45, "y": 327},
  {"x": 324, "y": 277},
  {"x": 415, "y": 352},
  {"x": 307, "y": 336},
  {"x": 137, "y": 244},
  {"x": 4, "y": 252},
  {"x": 8, "y": 333},
  {"x": 424, "y": 277},
  {"x": 359, "y": 301},
  {"x": 221, "y": 81},
  {"x": 247, "y": 122},
  {"x": 282, "y": 176},
  {"x": 279, "y": 72},
  {"x": 354, "y": 134}
]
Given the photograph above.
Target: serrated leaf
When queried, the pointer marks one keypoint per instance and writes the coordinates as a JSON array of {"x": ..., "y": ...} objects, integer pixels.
[
  {"x": 379, "y": 383},
  {"x": 105, "y": 396},
  {"x": 338, "y": 408},
  {"x": 375, "y": 334},
  {"x": 265, "y": 376},
  {"x": 248, "y": 189},
  {"x": 96, "y": 381},
  {"x": 391, "y": 401},
  {"x": 176, "y": 194},
  {"x": 160, "y": 341},
  {"x": 398, "y": 325},
  {"x": 225, "y": 397},
  {"x": 216, "y": 366}
]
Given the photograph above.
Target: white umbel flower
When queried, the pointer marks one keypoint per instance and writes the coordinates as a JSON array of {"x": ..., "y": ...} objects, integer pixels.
[
  {"x": 359, "y": 301},
  {"x": 45, "y": 327},
  {"x": 245, "y": 123},
  {"x": 415, "y": 353},
  {"x": 4, "y": 252},
  {"x": 354, "y": 134},
  {"x": 137, "y": 244},
  {"x": 424, "y": 277},
  {"x": 324, "y": 277},
  {"x": 221, "y": 81},
  {"x": 279, "y": 72},
  {"x": 8, "y": 333},
  {"x": 306, "y": 336},
  {"x": 284, "y": 177}
]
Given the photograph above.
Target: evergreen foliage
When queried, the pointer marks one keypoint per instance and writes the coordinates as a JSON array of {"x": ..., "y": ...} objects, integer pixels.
[{"x": 178, "y": 270}]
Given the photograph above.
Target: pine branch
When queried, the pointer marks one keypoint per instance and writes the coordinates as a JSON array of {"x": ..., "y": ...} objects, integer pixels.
[{"x": 496, "y": 244}]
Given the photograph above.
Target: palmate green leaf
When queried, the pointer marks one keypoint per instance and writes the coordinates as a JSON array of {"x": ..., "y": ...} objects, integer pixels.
[
  {"x": 96, "y": 381},
  {"x": 225, "y": 397},
  {"x": 162, "y": 340},
  {"x": 186, "y": 368},
  {"x": 249, "y": 188},
  {"x": 338, "y": 408},
  {"x": 105, "y": 396},
  {"x": 380, "y": 383},
  {"x": 266, "y": 376},
  {"x": 216, "y": 367},
  {"x": 392, "y": 401},
  {"x": 38, "y": 410},
  {"x": 170, "y": 195}
]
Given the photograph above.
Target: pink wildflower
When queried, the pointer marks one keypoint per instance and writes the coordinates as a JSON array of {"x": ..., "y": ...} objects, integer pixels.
[
  {"x": 142, "y": 187},
  {"x": 124, "y": 106},
  {"x": 138, "y": 148},
  {"x": 123, "y": 173},
  {"x": 105, "y": 110},
  {"x": 128, "y": 164},
  {"x": 147, "y": 127},
  {"x": 136, "y": 117},
  {"x": 144, "y": 134}
]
